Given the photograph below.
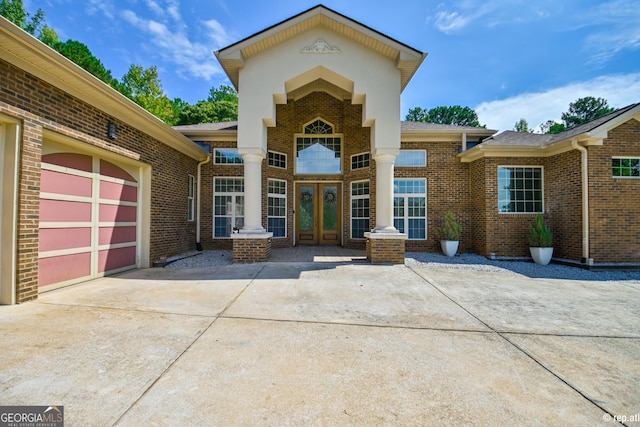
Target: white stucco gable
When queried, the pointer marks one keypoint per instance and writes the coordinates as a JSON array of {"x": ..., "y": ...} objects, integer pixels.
[{"x": 319, "y": 50}]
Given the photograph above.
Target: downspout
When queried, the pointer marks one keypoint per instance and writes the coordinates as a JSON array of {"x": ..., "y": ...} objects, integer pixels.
[
  {"x": 199, "y": 187},
  {"x": 585, "y": 202}
]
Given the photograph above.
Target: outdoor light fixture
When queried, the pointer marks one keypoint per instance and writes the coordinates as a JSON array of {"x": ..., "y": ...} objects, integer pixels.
[{"x": 112, "y": 130}]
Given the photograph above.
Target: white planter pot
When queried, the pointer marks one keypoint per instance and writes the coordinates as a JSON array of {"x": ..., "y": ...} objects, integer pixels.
[
  {"x": 449, "y": 247},
  {"x": 541, "y": 256}
]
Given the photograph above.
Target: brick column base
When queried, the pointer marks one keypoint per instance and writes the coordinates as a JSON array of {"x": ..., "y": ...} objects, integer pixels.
[
  {"x": 385, "y": 248},
  {"x": 249, "y": 248}
]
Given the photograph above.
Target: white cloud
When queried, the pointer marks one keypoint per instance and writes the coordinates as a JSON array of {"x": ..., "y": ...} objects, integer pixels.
[
  {"x": 218, "y": 33},
  {"x": 454, "y": 17},
  {"x": 537, "y": 108},
  {"x": 170, "y": 40},
  {"x": 617, "y": 29}
]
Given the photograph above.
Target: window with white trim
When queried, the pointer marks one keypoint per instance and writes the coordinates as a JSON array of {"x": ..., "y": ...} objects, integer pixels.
[
  {"x": 360, "y": 213},
  {"x": 411, "y": 158},
  {"x": 228, "y": 206},
  {"x": 191, "y": 199},
  {"x": 360, "y": 161},
  {"x": 277, "y": 207},
  {"x": 410, "y": 207},
  {"x": 277, "y": 160},
  {"x": 227, "y": 156},
  {"x": 520, "y": 189},
  {"x": 319, "y": 151},
  {"x": 625, "y": 167}
]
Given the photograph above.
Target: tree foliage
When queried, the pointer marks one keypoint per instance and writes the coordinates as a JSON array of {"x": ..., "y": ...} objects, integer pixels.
[
  {"x": 584, "y": 110},
  {"x": 522, "y": 126},
  {"x": 220, "y": 106},
  {"x": 14, "y": 11},
  {"x": 143, "y": 86},
  {"x": 80, "y": 54},
  {"x": 446, "y": 115}
]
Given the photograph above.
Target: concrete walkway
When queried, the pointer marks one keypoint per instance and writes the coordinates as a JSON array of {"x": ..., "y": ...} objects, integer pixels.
[{"x": 326, "y": 343}]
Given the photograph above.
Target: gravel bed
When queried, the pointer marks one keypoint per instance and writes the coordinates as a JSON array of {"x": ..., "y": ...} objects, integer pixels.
[{"x": 463, "y": 262}]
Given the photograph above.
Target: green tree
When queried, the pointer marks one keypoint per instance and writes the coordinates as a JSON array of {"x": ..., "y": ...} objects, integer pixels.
[
  {"x": 417, "y": 114},
  {"x": 584, "y": 110},
  {"x": 14, "y": 11},
  {"x": 552, "y": 127},
  {"x": 452, "y": 115},
  {"x": 80, "y": 54},
  {"x": 220, "y": 106},
  {"x": 522, "y": 126},
  {"x": 143, "y": 86}
]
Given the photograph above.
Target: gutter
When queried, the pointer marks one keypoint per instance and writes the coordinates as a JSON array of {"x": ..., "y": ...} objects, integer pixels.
[
  {"x": 198, "y": 190},
  {"x": 585, "y": 202}
]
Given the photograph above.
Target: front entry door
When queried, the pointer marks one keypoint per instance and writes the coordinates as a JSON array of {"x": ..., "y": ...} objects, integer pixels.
[{"x": 318, "y": 214}]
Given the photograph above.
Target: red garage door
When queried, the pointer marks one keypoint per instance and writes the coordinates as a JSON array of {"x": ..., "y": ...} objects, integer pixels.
[{"x": 88, "y": 219}]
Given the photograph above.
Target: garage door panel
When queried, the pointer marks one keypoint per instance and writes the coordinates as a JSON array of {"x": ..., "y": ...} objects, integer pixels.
[
  {"x": 64, "y": 268},
  {"x": 114, "y": 235},
  {"x": 117, "y": 213},
  {"x": 114, "y": 191},
  {"x": 55, "y": 239},
  {"x": 64, "y": 183},
  {"x": 64, "y": 211},
  {"x": 109, "y": 169},
  {"x": 77, "y": 161},
  {"x": 114, "y": 259}
]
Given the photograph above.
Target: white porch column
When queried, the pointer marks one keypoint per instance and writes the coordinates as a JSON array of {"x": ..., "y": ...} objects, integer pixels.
[
  {"x": 252, "y": 192},
  {"x": 384, "y": 192}
]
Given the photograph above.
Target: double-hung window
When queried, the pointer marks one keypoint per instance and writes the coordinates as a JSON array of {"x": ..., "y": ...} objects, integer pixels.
[
  {"x": 520, "y": 189},
  {"x": 410, "y": 207},
  {"x": 277, "y": 207},
  {"x": 228, "y": 206},
  {"x": 359, "y": 209},
  {"x": 191, "y": 198}
]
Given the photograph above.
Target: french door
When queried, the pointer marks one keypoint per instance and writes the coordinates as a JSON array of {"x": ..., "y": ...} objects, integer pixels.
[{"x": 318, "y": 213}]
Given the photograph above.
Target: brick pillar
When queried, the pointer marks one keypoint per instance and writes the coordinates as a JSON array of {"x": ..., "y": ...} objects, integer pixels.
[
  {"x": 385, "y": 248},
  {"x": 249, "y": 248}
]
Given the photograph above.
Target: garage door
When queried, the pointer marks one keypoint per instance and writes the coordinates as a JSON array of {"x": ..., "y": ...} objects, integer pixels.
[{"x": 88, "y": 219}]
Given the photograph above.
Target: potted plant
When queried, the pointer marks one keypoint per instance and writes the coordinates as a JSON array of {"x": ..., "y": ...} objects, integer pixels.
[
  {"x": 540, "y": 241},
  {"x": 449, "y": 235}
]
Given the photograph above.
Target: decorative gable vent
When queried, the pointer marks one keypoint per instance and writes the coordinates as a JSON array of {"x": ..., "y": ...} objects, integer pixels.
[{"x": 320, "y": 46}]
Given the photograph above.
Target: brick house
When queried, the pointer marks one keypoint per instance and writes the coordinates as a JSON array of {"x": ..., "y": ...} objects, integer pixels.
[
  {"x": 329, "y": 164},
  {"x": 94, "y": 185}
]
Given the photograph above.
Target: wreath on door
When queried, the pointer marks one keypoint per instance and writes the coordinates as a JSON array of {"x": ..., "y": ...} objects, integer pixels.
[
  {"x": 306, "y": 197},
  {"x": 330, "y": 197}
]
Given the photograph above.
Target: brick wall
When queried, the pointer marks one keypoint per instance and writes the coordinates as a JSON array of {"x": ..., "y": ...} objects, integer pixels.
[
  {"x": 614, "y": 203},
  {"x": 38, "y": 105},
  {"x": 563, "y": 203}
]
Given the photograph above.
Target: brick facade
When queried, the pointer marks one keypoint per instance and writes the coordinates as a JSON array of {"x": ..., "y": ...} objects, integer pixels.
[
  {"x": 42, "y": 107},
  {"x": 614, "y": 203}
]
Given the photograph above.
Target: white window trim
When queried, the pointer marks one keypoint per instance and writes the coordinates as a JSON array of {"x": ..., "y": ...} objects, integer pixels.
[
  {"x": 413, "y": 166},
  {"x": 234, "y": 195},
  {"x": 522, "y": 167},
  {"x": 358, "y": 197},
  {"x": 624, "y": 158},
  {"x": 406, "y": 216},
  {"x": 281, "y": 154},
  {"x": 279, "y": 196},
  {"x": 191, "y": 198},
  {"x": 215, "y": 158}
]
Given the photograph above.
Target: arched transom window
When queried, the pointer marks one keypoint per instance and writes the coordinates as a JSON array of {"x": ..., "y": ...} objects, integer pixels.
[{"x": 318, "y": 150}]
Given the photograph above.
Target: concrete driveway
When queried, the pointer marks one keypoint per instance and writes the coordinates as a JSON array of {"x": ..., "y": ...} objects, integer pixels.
[{"x": 335, "y": 344}]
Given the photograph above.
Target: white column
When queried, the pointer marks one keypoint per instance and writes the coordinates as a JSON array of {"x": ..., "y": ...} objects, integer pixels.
[
  {"x": 252, "y": 193},
  {"x": 384, "y": 193}
]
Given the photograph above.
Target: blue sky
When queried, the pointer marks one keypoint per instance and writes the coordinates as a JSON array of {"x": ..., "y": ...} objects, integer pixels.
[{"x": 506, "y": 59}]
